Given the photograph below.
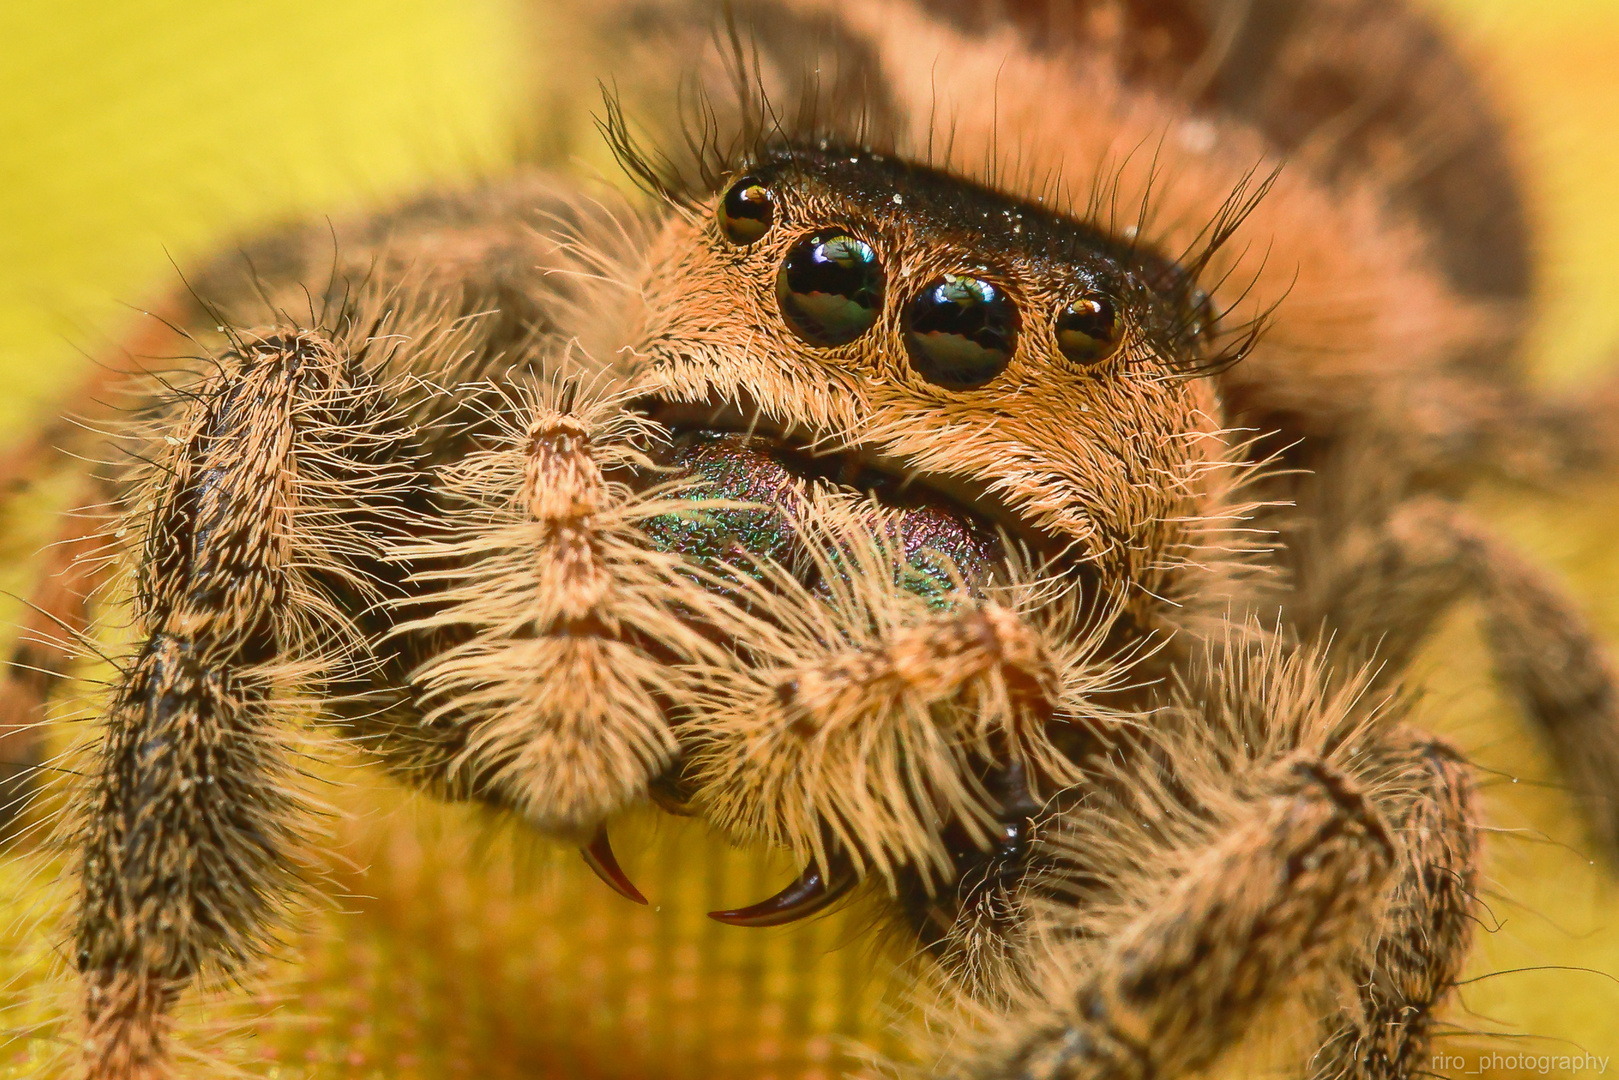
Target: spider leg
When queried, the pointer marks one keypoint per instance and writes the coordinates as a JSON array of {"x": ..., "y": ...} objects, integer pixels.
[
  {"x": 529, "y": 253},
  {"x": 855, "y": 727},
  {"x": 550, "y": 630},
  {"x": 1385, "y": 1032},
  {"x": 373, "y": 520},
  {"x": 287, "y": 486},
  {"x": 189, "y": 827},
  {"x": 1550, "y": 660},
  {"x": 314, "y": 497},
  {"x": 1385, "y": 584},
  {"x": 1277, "y": 836},
  {"x": 1290, "y": 883},
  {"x": 1548, "y": 442}
]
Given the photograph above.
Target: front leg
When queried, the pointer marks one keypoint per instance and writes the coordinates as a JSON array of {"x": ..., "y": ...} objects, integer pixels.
[
  {"x": 260, "y": 495},
  {"x": 318, "y": 492},
  {"x": 285, "y": 488},
  {"x": 1273, "y": 840},
  {"x": 1283, "y": 894}
]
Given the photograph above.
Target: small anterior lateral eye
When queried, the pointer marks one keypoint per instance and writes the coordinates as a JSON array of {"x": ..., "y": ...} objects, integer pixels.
[
  {"x": 830, "y": 288},
  {"x": 747, "y": 211},
  {"x": 961, "y": 331},
  {"x": 1088, "y": 330}
]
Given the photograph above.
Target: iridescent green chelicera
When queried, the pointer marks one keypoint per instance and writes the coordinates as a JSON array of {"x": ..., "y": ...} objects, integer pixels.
[{"x": 940, "y": 548}]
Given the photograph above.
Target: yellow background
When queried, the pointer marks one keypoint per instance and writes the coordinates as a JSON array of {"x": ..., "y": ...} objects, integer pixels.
[{"x": 136, "y": 135}]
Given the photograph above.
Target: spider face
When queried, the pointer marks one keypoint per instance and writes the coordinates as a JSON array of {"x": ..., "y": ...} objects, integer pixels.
[
  {"x": 993, "y": 383},
  {"x": 851, "y": 318}
]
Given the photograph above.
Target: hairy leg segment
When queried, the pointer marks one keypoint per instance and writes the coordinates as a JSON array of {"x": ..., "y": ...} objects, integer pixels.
[
  {"x": 1381, "y": 584},
  {"x": 1330, "y": 862},
  {"x": 189, "y": 835},
  {"x": 304, "y": 496}
]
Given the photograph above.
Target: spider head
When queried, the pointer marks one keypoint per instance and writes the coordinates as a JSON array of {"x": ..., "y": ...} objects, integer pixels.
[{"x": 915, "y": 335}]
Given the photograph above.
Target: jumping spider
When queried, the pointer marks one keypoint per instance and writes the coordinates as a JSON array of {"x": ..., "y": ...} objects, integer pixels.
[{"x": 998, "y": 482}]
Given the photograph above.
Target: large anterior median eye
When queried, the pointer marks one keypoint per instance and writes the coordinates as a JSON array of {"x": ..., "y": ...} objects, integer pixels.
[
  {"x": 747, "y": 211},
  {"x": 1088, "y": 331},
  {"x": 830, "y": 288},
  {"x": 960, "y": 331}
]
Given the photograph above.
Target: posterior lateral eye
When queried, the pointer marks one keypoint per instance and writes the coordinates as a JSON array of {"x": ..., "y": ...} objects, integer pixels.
[
  {"x": 830, "y": 288},
  {"x": 1088, "y": 330},
  {"x": 746, "y": 211}
]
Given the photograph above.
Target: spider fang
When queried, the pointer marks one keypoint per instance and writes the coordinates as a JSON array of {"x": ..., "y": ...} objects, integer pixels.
[
  {"x": 811, "y": 892},
  {"x": 599, "y": 857}
]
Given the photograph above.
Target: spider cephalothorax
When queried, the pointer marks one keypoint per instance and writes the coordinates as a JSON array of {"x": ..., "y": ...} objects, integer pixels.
[{"x": 883, "y": 509}]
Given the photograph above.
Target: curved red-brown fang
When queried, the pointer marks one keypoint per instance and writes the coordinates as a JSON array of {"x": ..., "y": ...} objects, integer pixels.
[
  {"x": 599, "y": 857},
  {"x": 813, "y": 891}
]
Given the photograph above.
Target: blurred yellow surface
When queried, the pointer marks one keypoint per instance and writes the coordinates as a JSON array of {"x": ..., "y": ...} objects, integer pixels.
[{"x": 137, "y": 134}]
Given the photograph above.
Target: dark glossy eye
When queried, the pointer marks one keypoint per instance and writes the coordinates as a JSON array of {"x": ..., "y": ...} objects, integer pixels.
[
  {"x": 961, "y": 331},
  {"x": 830, "y": 288},
  {"x": 1088, "y": 330},
  {"x": 747, "y": 211}
]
